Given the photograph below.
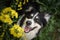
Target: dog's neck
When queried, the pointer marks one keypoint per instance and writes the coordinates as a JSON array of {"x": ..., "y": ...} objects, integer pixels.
[{"x": 32, "y": 34}]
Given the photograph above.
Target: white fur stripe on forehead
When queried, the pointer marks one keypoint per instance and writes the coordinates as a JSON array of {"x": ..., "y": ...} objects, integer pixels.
[{"x": 35, "y": 15}]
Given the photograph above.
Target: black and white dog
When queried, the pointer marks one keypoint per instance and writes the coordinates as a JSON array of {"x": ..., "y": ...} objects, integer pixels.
[{"x": 32, "y": 21}]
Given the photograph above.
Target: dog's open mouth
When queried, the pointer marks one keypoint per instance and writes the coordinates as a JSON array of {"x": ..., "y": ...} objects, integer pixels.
[{"x": 28, "y": 29}]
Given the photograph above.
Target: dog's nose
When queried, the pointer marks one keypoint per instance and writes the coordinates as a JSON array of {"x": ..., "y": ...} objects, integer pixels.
[{"x": 28, "y": 22}]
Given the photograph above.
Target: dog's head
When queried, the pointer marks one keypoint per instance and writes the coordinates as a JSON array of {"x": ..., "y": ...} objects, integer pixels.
[{"x": 33, "y": 19}]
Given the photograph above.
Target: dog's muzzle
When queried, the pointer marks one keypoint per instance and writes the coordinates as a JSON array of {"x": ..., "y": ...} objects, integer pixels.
[{"x": 28, "y": 29}]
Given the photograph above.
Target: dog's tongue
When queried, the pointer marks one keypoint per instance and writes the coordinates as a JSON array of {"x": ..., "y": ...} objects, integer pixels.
[{"x": 27, "y": 29}]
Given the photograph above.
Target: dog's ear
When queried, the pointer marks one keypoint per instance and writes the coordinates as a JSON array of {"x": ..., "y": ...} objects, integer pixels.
[{"x": 47, "y": 16}]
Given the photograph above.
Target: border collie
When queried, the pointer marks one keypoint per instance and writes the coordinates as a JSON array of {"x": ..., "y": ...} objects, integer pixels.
[{"x": 33, "y": 20}]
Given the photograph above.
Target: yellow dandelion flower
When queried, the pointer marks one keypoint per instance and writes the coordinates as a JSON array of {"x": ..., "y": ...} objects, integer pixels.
[
  {"x": 27, "y": 1},
  {"x": 24, "y": 2},
  {"x": 17, "y": 0},
  {"x": 6, "y": 19},
  {"x": 14, "y": 14},
  {"x": 16, "y": 31},
  {"x": 20, "y": 4},
  {"x": 0, "y": 17},
  {"x": 6, "y": 10},
  {"x": 19, "y": 8},
  {"x": 9, "y": 11}
]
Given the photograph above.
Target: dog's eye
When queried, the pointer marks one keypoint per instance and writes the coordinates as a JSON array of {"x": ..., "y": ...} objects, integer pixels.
[
  {"x": 31, "y": 14},
  {"x": 36, "y": 17}
]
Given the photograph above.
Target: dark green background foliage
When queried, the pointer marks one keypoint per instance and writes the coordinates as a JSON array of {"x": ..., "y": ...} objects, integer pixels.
[{"x": 52, "y": 29}]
